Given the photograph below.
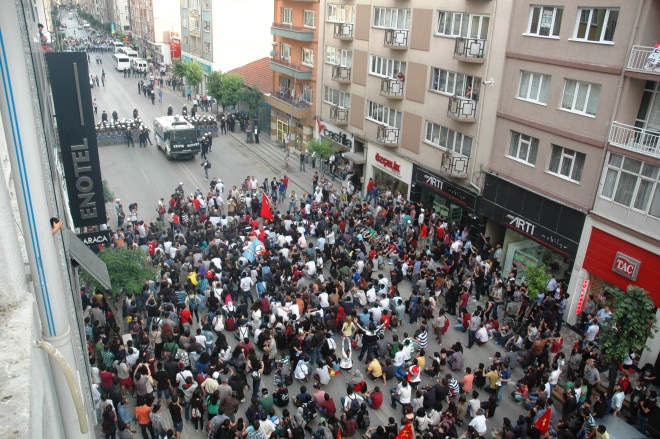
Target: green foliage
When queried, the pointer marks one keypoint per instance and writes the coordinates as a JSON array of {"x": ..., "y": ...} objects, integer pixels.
[
  {"x": 108, "y": 195},
  {"x": 214, "y": 85},
  {"x": 230, "y": 86},
  {"x": 633, "y": 321},
  {"x": 128, "y": 270},
  {"x": 190, "y": 70},
  {"x": 323, "y": 148},
  {"x": 537, "y": 278},
  {"x": 252, "y": 98},
  {"x": 179, "y": 68}
]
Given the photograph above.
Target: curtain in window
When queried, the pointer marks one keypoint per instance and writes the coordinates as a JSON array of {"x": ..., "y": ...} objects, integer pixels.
[
  {"x": 555, "y": 158},
  {"x": 578, "y": 165},
  {"x": 608, "y": 184},
  {"x": 513, "y": 145},
  {"x": 523, "y": 92},
  {"x": 625, "y": 188},
  {"x": 594, "y": 96},
  {"x": 533, "y": 151},
  {"x": 569, "y": 94},
  {"x": 655, "y": 204}
]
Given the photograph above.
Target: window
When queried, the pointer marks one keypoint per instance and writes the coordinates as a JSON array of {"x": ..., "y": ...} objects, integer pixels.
[
  {"x": 580, "y": 97},
  {"x": 596, "y": 24},
  {"x": 207, "y": 47},
  {"x": 523, "y": 148},
  {"x": 336, "y": 97},
  {"x": 386, "y": 67},
  {"x": 566, "y": 163},
  {"x": 308, "y": 57},
  {"x": 381, "y": 113},
  {"x": 287, "y": 16},
  {"x": 462, "y": 24},
  {"x": 340, "y": 14},
  {"x": 392, "y": 18},
  {"x": 206, "y": 5},
  {"x": 286, "y": 51},
  {"x": 207, "y": 26},
  {"x": 544, "y": 21},
  {"x": 309, "y": 19},
  {"x": 455, "y": 84},
  {"x": 446, "y": 138},
  {"x": 307, "y": 93},
  {"x": 338, "y": 57},
  {"x": 534, "y": 87},
  {"x": 632, "y": 183}
]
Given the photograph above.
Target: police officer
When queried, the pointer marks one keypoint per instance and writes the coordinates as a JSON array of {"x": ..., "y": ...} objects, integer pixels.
[
  {"x": 184, "y": 110},
  {"x": 129, "y": 137},
  {"x": 104, "y": 117},
  {"x": 170, "y": 111},
  {"x": 135, "y": 113},
  {"x": 115, "y": 116}
]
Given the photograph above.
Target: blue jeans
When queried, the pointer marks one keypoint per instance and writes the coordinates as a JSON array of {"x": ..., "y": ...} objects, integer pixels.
[
  {"x": 167, "y": 393},
  {"x": 400, "y": 372},
  {"x": 460, "y": 327},
  {"x": 641, "y": 423},
  {"x": 316, "y": 355},
  {"x": 256, "y": 386},
  {"x": 186, "y": 410}
]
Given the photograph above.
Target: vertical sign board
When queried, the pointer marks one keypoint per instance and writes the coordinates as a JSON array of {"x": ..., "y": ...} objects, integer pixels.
[
  {"x": 69, "y": 79},
  {"x": 583, "y": 293}
]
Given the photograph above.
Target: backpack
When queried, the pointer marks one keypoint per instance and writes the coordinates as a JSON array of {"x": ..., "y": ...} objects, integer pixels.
[
  {"x": 354, "y": 408},
  {"x": 363, "y": 420}
]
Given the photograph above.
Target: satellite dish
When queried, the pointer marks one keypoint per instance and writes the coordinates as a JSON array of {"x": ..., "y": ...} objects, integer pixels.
[{"x": 274, "y": 53}]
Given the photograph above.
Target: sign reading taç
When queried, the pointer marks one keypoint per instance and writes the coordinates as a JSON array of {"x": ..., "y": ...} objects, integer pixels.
[{"x": 626, "y": 266}]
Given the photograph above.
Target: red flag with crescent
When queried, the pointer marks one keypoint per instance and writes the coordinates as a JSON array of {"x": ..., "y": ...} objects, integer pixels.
[
  {"x": 406, "y": 432},
  {"x": 266, "y": 211},
  {"x": 319, "y": 125},
  {"x": 543, "y": 423},
  {"x": 339, "y": 433}
]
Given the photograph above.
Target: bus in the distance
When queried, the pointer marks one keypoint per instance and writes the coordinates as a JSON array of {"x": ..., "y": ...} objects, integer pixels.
[
  {"x": 116, "y": 45},
  {"x": 121, "y": 62}
]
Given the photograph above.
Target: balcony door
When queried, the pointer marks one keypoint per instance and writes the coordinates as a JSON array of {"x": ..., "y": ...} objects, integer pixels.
[{"x": 648, "y": 116}]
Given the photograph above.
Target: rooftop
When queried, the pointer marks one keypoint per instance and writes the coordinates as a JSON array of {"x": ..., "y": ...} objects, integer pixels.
[{"x": 257, "y": 73}]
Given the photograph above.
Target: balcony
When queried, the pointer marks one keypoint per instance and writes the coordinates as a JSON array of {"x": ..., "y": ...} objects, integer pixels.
[
  {"x": 462, "y": 109},
  {"x": 284, "y": 66},
  {"x": 635, "y": 139},
  {"x": 639, "y": 61},
  {"x": 391, "y": 88},
  {"x": 343, "y": 31},
  {"x": 388, "y": 136},
  {"x": 283, "y": 102},
  {"x": 396, "y": 39},
  {"x": 454, "y": 164},
  {"x": 292, "y": 32},
  {"x": 341, "y": 74},
  {"x": 194, "y": 32},
  {"x": 470, "y": 50},
  {"x": 339, "y": 115}
]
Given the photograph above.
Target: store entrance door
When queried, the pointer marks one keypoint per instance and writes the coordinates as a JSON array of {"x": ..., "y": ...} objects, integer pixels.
[{"x": 282, "y": 130}]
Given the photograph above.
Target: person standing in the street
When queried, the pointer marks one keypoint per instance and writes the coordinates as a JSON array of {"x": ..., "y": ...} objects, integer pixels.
[
  {"x": 153, "y": 97},
  {"x": 170, "y": 111},
  {"x": 205, "y": 147},
  {"x": 160, "y": 95},
  {"x": 129, "y": 138},
  {"x": 96, "y": 107},
  {"x": 256, "y": 134},
  {"x": 303, "y": 158},
  {"x": 223, "y": 125},
  {"x": 206, "y": 165}
]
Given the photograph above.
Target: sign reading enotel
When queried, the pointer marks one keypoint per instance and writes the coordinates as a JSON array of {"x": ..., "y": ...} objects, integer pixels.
[
  {"x": 626, "y": 266},
  {"x": 390, "y": 164},
  {"x": 72, "y": 99}
]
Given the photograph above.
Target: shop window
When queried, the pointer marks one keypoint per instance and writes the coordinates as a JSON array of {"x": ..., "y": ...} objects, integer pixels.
[
  {"x": 534, "y": 87},
  {"x": 566, "y": 163},
  {"x": 523, "y": 148},
  {"x": 580, "y": 97},
  {"x": 596, "y": 25},
  {"x": 544, "y": 21},
  {"x": 632, "y": 183}
]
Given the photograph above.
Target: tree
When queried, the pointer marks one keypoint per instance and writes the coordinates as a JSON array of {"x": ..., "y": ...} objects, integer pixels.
[
  {"x": 633, "y": 321},
  {"x": 214, "y": 85},
  {"x": 252, "y": 98},
  {"x": 537, "y": 279},
  {"x": 230, "y": 86},
  {"x": 179, "y": 68},
  {"x": 108, "y": 195},
  {"x": 323, "y": 148},
  {"x": 128, "y": 270},
  {"x": 194, "y": 73}
]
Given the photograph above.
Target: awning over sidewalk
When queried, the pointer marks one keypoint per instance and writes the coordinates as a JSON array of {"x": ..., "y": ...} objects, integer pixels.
[
  {"x": 86, "y": 258},
  {"x": 356, "y": 157}
]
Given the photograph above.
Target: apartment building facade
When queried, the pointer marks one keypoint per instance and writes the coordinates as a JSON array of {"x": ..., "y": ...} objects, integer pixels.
[
  {"x": 214, "y": 34},
  {"x": 408, "y": 89},
  {"x": 294, "y": 62},
  {"x": 573, "y": 176},
  {"x": 153, "y": 24}
]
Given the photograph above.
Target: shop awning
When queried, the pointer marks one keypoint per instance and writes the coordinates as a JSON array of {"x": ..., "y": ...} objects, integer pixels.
[
  {"x": 86, "y": 258},
  {"x": 356, "y": 157}
]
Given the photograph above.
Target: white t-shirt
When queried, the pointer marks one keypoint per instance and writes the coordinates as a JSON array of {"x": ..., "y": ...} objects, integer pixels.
[{"x": 479, "y": 424}]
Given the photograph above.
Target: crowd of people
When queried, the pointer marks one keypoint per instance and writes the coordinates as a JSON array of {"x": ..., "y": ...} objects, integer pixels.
[{"x": 246, "y": 291}]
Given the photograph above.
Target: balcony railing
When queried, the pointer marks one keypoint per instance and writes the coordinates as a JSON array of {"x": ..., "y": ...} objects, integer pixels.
[
  {"x": 289, "y": 31},
  {"x": 456, "y": 165},
  {"x": 339, "y": 115},
  {"x": 635, "y": 139},
  {"x": 470, "y": 50},
  {"x": 343, "y": 31},
  {"x": 462, "y": 109},
  {"x": 341, "y": 74},
  {"x": 282, "y": 101},
  {"x": 396, "y": 39},
  {"x": 391, "y": 88},
  {"x": 387, "y": 135},
  {"x": 639, "y": 60},
  {"x": 295, "y": 71}
]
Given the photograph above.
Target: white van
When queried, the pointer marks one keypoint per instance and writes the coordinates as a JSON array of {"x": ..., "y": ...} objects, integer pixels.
[
  {"x": 116, "y": 45},
  {"x": 139, "y": 64},
  {"x": 121, "y": 62},
  {"x": 129, "y": 52}
]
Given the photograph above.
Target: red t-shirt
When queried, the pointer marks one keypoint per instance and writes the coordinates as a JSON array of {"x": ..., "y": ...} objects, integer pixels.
[
  {"x": 185, "y": 315},
  {"x": 376, "y": 400},
  {"x": 106, "y": 378}
]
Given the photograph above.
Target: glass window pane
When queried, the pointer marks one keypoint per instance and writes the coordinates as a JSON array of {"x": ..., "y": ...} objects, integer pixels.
[
  {"x": 608, "y": 184},
  {"x": 524, "y": 85},
  {"x": 557, "y": 23},
  {"x": 594, "y": 96},
  {"x": 578, "y": 165},
  {"x": 555, "y": 158},
  {"x": 569, "y": 94},
  {"x": 615, "y": 160},
  {"x": 625, "y": 188},
  {"x": 632, "y": 165},
  {"x": 655, "y": 204},
  {"x": 643, "y": 194},
  {"x": 533, "y": 151},
  {"x": 581, "y": 99}
]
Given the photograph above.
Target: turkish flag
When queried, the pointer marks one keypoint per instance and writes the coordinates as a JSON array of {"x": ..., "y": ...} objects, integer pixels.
[
  {"x": 266, "y": 211},
  {"x": 543, "y": 423},
  {"x": 339, "y": 433},
  {"x": 406, "y": 432}
]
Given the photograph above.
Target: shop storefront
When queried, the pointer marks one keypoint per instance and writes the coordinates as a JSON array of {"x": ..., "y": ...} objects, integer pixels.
[
  {"x": 451, "y": 201},
  {"x": 532, "y": 229},
  {"x": 388, "y": 170}
]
